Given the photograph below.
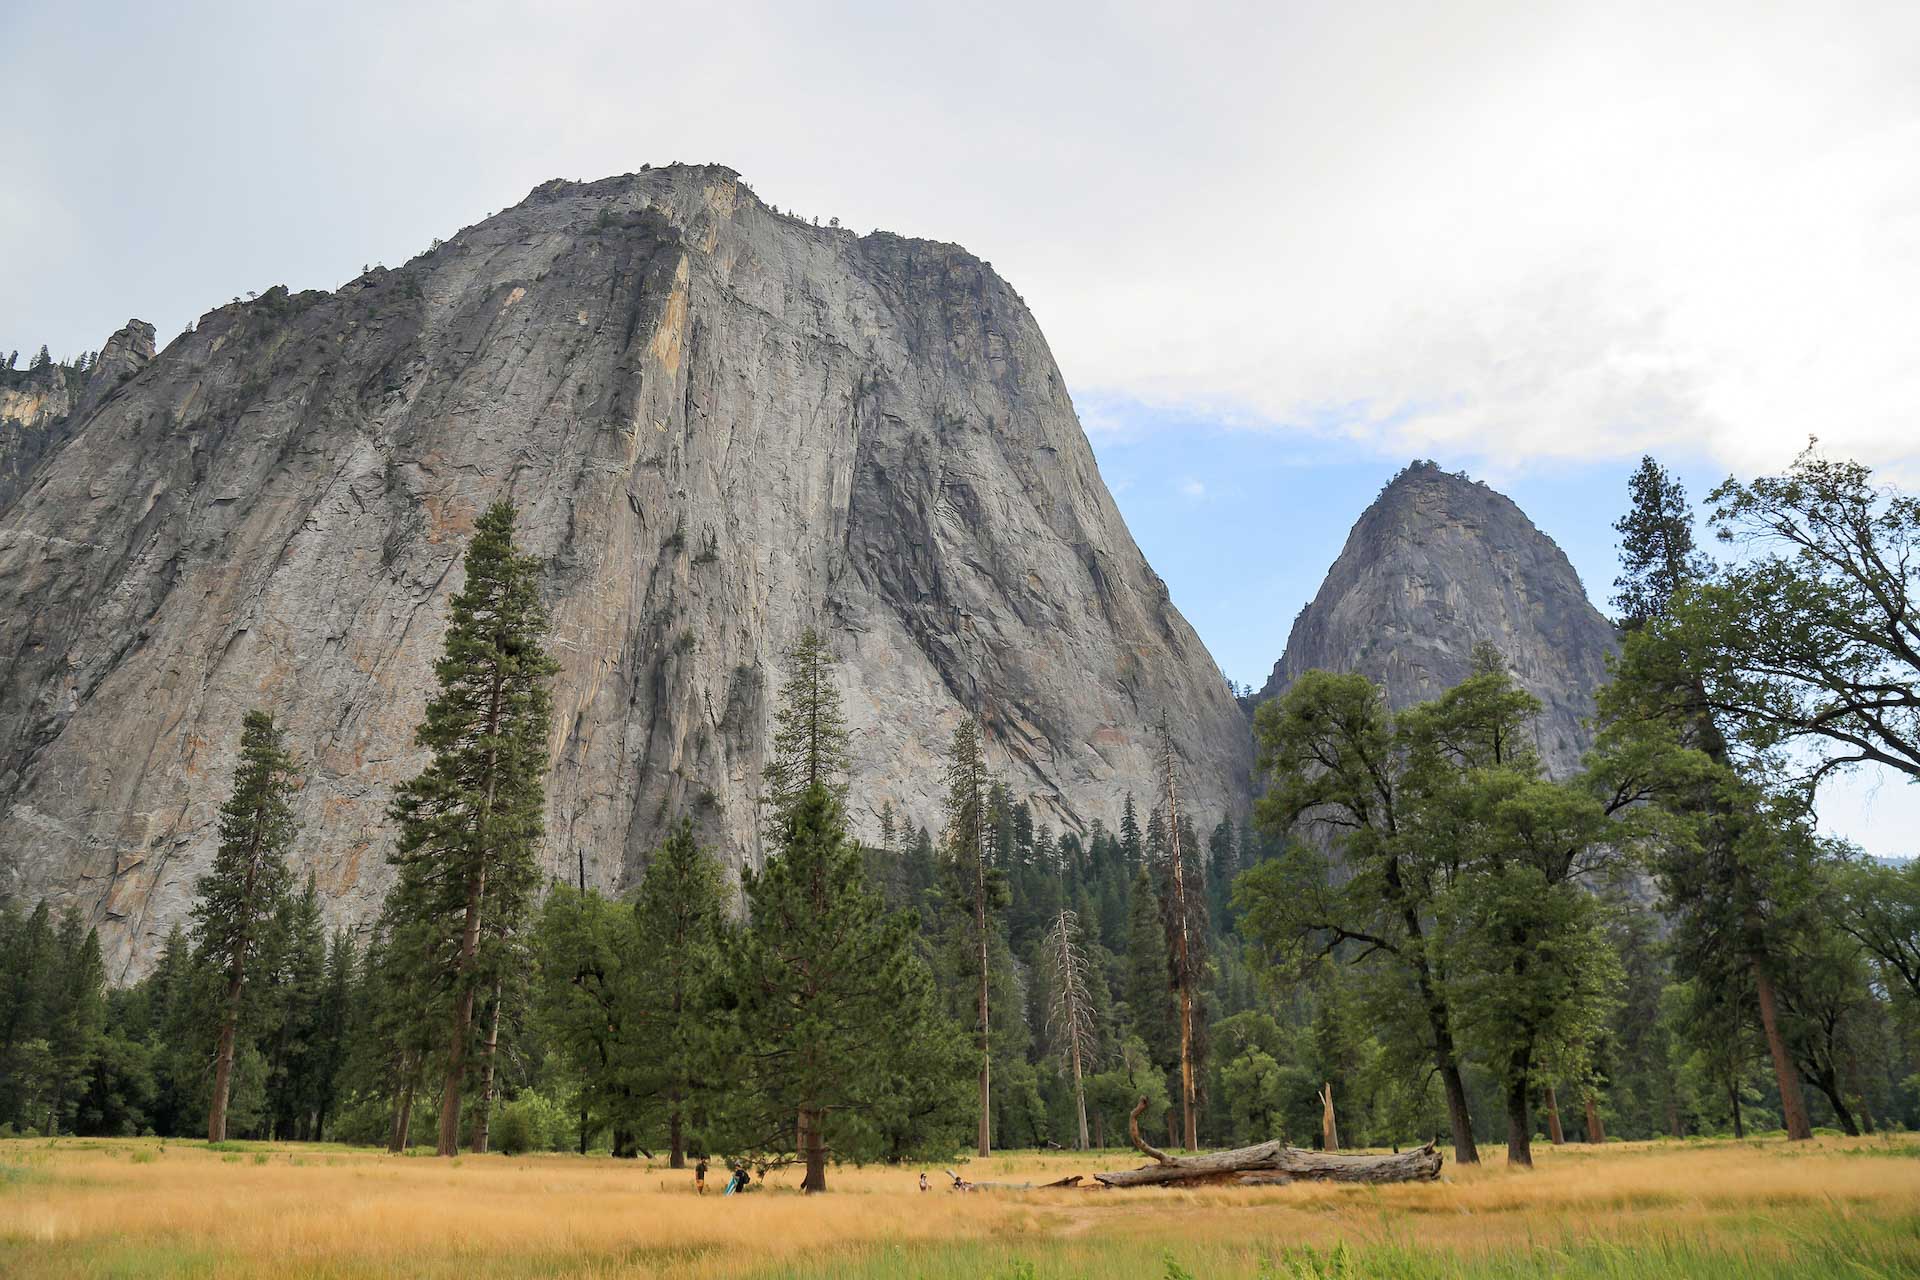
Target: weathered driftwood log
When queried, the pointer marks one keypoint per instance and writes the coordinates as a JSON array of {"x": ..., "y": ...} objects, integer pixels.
[
  {"x": 1058, "y": 1183},
  {"x": 1268, "y": 1164}
]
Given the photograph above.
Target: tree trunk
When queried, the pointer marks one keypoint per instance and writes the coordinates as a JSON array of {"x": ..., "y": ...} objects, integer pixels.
[
  {"x": 1329, "y": 1131},
  {"x": 1079, "y": 1094},
  {"x": 223, "y": 1057},
  {"x": 1554, "y": 1130},
  {"x": 814, "y": 1146},
  {"x": 986, "y": 1047},
  {"x": 1445, "y": 1060},
  {"x": 1830, "y": 1086},
  {"x": 1733, "y": 1101},
  {"x": 393, "y": 1122},
  {"x": 1099, "y": 1129},
  {"x": 483, "y": 1123},
  {"x": 1519, "y": 1123},
  {"x": 1183, "y": 964},
  {"x": 1459, "y": 1119},
  {"x": 1269, "y": 1163},
  {"x": 1596, "y": 1130},
  {"x": 449, "y": 1143},
  {"x": 1793, "y": 1104},
  {"x": 462, "y": 1018},
  {"x": 230, "y": 1022},
  {"x": 403, "y": 1123},
  {"x": 676, "y": 1138}
]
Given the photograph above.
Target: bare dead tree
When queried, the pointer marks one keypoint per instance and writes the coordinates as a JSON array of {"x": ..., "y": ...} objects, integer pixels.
[
  {"x": 1181, "y": 930},
  {"x": 1070, "y": 1007}
]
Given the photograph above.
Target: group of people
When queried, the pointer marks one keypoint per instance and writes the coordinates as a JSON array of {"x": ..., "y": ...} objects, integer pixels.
[
  {"x": 736, "y": 1181},
  {"x": 740, "y": 1178}
]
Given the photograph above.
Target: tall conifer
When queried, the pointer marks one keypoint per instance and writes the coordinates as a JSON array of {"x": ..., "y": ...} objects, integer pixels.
[
  {"x": 975, "y": 882},
  {"x": 677, "y": 918},
  {"x": 1722, "y": 884},
  {"x": 809, "y": 732},
  {"x": 471, "y": 821},
  {"x": 243, "y": 891},
  {"x": 831, "y": 996}
]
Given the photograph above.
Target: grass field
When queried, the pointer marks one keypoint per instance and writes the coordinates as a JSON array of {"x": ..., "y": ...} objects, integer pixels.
[{"x": 103, "y": 1207}]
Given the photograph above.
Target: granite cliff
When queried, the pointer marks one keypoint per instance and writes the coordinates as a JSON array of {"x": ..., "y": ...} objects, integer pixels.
[
  {"x": 40, "y": 408},
  {"x": 720, "y": 424},
  {"x": 1437, "y": 563}
]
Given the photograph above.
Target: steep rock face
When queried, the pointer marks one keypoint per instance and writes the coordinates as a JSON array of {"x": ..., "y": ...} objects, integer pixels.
[
  {"x": 1437, "y": 563},
  {"x": 41, "y": 408},
  {"x": 720, "y": 425}
]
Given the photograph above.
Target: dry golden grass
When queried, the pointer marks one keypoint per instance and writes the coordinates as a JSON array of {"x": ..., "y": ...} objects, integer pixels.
[{"x": 120, "y": 1207}]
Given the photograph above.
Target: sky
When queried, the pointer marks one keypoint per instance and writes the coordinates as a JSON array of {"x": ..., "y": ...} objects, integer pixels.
[{"x": 1279, "y": 249}]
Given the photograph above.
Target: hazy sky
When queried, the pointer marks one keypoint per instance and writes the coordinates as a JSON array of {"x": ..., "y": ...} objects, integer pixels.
[{"x": 1278, "y": 249}]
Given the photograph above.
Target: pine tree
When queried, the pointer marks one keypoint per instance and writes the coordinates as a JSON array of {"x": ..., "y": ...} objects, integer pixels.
[
  {"x": 333, "y": 1028},
  {"x": 976, "y": 882},
  {"x": 401, "y": 984},
  {"x": 298, "y": 979},
  {"x": 829, "y": 991},
  {"x": 1714, "y": 882},
  {"x": 586, "y": 1005},
  {"x": 176, "y": 1018},
  {"x": 29, "y": 976},
  {"x": 1657, "y": 554},
  {"x": 240, "y": 895},
  {"x": 471, "y": 821},
  {"x": 1131, "y": 848},
  {"x": 1223, "y": 864},
  {"x": 677, "y": 920},
  {"x": 77, "y": 1021},
  {"x": 810, "y": 732},
  {"x": 1152, "y": 1015}
]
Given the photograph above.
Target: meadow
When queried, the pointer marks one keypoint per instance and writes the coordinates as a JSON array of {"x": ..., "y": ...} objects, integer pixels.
[{"x": 140, "y": 1207}]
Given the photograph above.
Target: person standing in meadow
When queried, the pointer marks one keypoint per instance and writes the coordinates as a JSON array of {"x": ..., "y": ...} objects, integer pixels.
[{"x": 700, "y": 1177}]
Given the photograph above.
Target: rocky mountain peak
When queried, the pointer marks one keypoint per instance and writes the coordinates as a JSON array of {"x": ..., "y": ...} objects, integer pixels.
[
  {"x": 720, "y": 424},
  {"x": 1436, "y": 563},
  {"x": 40, "y": 408}
]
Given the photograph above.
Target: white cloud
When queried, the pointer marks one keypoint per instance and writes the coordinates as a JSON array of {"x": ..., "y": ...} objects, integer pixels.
[
  {"x": 1193, "y": 488},
  {"x": 1509, "y": 230}
]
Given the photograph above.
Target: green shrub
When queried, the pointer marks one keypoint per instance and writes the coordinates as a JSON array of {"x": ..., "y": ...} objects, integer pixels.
[
  {"x": 363, "y": 1122},
  {"x": 530, "y": 1122},
  {"x": 513, "y": 1130}
]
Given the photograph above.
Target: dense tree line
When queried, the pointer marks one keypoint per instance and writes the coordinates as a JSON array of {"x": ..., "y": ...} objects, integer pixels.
[
  {"x": 1415, "y": 916},
  {"x": 73, "y": 372}
]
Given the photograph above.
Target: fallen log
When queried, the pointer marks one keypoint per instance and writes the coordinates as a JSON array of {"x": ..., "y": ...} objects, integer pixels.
[
  {"x": 1058, "y": 1184},
  {"x": 1269, "y": 1164}
]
